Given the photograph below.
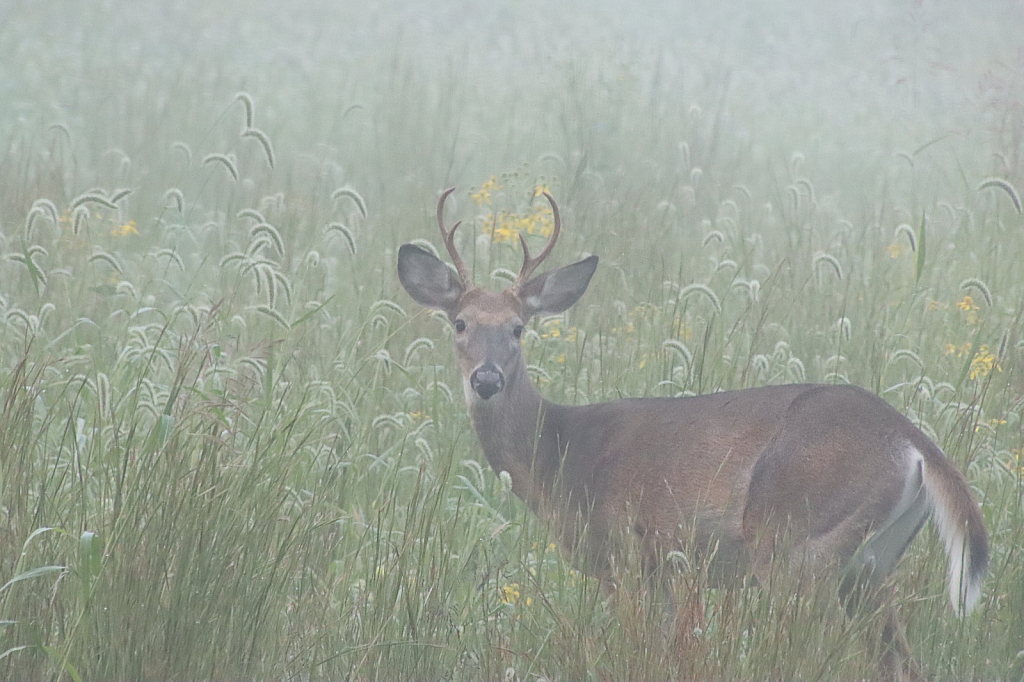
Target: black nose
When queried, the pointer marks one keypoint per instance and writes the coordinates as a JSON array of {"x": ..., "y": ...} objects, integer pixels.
[{"x": 487, "y": 380}]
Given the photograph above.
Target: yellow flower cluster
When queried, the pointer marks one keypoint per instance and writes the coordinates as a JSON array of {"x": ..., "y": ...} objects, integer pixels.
[
  {"x": 507, "y": 226},
  {"x": 124, "y": 230},
  {"x": 510, "y": 594},
  {"x": 983, "y": 362},
  {"x": 959, "y": 351},
  {"x": 552, "y": 329},
  {"x": 970, "y": 309},
  {"x": 483, "y": 195},
  {"x": 967, "y": 304}
]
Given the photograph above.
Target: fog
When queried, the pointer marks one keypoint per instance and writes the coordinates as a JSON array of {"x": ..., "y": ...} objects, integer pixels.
[
  {"x": 498, "y": 80},
  {"x": 231, "y": 447}
]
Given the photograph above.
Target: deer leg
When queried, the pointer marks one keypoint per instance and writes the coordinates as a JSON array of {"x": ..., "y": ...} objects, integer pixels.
[
  {"x": 896, "y": 661},
  {"x": 688, "y": 616},
  {"x": 679, "y": 592},
  {"x": 859, "y": 593}
]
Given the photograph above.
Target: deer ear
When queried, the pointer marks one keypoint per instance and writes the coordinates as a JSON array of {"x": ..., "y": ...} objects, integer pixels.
[
  {"x": 557, "y": 290},
  {"x": 429, "y": 281}
]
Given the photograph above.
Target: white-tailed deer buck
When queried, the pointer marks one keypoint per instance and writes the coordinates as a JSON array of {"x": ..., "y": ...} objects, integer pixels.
[{"x": 837, "y": 471}]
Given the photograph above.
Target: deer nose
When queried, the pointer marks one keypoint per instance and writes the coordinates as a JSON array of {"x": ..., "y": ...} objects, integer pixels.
[{"x": 487, "y": 380}]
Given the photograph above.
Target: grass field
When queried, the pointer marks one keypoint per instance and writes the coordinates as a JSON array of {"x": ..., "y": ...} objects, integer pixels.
[{"x": 232, "y": 448}]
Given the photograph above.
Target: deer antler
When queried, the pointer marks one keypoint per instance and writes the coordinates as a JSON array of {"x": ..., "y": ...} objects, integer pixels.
[
  {"x": 449, "y": 239},
  {"x": 530, "y": 264}
]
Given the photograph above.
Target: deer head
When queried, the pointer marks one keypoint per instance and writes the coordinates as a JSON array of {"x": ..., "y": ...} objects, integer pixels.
[{"x": 488, "y": 325}]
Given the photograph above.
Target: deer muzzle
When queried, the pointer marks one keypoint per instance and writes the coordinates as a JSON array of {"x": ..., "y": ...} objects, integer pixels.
[{"x": 487, "y": 380}]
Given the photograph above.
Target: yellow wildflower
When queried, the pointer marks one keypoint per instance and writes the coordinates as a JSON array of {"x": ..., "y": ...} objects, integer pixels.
[
  {"x": 510, "y": 593},
  {"x": 967, "y": 304},
  {"x": 541, "y": 222},
  {"x": 1016, "y": 463},
  {"x": 124, "y": 230},
  {"x": 895, "y": 250},
  {"x": 552, "y": 329},
  {"x": 959, "y": 351},
  {"x": 501, "y": 228},
  {"x": 483, "y": 195},
  {"x": 983, "y": 363},
  {"x": 970, "y": 309}
]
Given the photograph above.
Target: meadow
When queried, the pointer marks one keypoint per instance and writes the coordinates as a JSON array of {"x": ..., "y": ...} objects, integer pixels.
[{"x": 232, "y": 448}]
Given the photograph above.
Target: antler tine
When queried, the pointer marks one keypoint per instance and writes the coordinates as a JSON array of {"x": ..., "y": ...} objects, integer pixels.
[
  {"x": 449, "y": 238},
  {"x": 530, "y": 264}
]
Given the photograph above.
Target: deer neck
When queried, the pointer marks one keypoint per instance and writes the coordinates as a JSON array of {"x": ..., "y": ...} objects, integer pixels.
[{"x": 514, "y": 437}]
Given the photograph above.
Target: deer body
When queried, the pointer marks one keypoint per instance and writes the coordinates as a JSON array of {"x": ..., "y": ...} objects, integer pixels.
[
  {"x": 714, "y": 473},
  {"x": 838, "y": 472}
]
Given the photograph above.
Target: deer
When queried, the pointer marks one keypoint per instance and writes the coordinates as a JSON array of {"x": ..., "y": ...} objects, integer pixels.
[{"x": 837, "y": 471}]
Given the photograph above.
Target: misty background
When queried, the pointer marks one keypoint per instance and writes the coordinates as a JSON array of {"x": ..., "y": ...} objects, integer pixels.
[
  {"x": 466, "y": 87},
  {"x": 232, "y": 448}
]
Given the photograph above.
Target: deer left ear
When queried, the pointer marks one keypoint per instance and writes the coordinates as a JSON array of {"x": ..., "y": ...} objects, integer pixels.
[
  {"x": 557, "y": 290},
  {"x": 429, "y": 281}
]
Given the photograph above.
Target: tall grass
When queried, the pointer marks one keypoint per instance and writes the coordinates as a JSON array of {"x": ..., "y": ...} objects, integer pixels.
[{"x": 230, "y": 448}]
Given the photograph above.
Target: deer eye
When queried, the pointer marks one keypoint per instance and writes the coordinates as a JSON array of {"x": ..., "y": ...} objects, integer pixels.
[
  {"x": 460, "y": 326},
  {"x": 517, "y": 331}
]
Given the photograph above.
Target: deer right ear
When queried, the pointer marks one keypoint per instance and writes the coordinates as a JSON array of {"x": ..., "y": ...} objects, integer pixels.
[
  {"x": 557, "y": 290},
  {"x": 429, "y": 281}
]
